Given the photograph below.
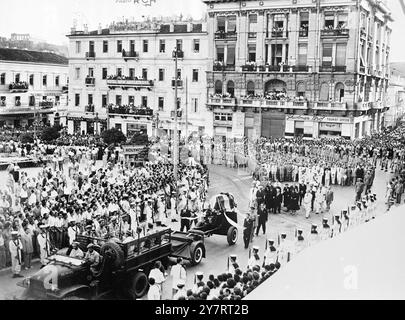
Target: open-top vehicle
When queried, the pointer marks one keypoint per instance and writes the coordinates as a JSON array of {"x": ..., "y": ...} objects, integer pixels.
[
  {"x": 222, "y": 219},
  {"x": 122, "y": 270}
]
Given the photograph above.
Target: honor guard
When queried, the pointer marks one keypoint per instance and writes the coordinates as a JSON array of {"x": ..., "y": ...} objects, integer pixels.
[
  {"x": 352, "y": 216},
  {"x": 270, "y": 255},
  {"x": 198, "y": 282},
  {"x": 300, "y": 242},
  {"x": 345, "y": 220},
  {"x": 373, "y": 205},
  {"x": 43, "y": 244},
  {"x": 282, "y": 253},
  {"x": 326, "y": 230},
  {"x": 254, "y": 259},
  {"x": 337, "y": 226},
  {"x": 15, "y": 247},
  {"x": 232, "y": 264},
  {"x": 314, "y": 236}
]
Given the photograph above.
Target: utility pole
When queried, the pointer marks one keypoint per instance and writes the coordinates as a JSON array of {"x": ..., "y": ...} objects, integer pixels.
[
  {"x": 186, "y": 109},
  {"x": 176, "y": 138}
]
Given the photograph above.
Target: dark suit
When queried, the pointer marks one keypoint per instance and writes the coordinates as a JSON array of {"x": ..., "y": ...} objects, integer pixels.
[{"x": 263, "y": 215}]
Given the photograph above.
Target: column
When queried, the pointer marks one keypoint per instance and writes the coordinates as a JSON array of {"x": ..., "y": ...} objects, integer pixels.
[
  {"x": 241, "y": 43},
  {"x": 260, "y": 36},
  {"x": 293, "y": 37},
  {"x": 283, "y": 53}
]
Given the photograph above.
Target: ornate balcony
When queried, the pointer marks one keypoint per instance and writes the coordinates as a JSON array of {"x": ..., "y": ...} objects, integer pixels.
[
  {"x": 222, "y": 102},
  {"x": 18, "y": 87},
  {"x": 130, "y": 110},
  {"x": 363, "y": 106},
  {"x": 222, "y": 67},
  {"x": 179, "y": 83},
  {"x": 279, "y": 34},
  {"x": 303, "y": 33},
  {"x": 221, "y": 35},
  {"x": 46, "y": 104},
  {"x": 114, "y": 82},
  {"x": 90, "y": 55},
  {"x": 89, "y": 108},
  {"x": 90, "y": 81},
  {"x": 131, "y": 55},
  {"x": 328, "y": 33},
  {"x": 332, "y": 69},
  {"x": 300, "y": 68},
  {"x": 330, "y": 106}
]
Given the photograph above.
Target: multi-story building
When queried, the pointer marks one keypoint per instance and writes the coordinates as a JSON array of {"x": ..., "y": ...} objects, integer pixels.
[
  {"x": 310, "y": 68},
  {"x": 124, "y": 77},
  {"x": 395, "y": 99},
  {"x": 33, "y": 86}
]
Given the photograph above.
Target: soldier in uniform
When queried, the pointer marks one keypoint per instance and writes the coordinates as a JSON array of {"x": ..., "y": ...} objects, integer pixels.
[
  {"x": 337, "y": 226},
  {"x": 300, "y": 242},
  {"x": 248, "y": 230},
  {"x": 352, "y": 216},
  {"x": 254, "y": 259},
  {"x": 326, "y": 230},
  {"x": 282, "y": 253},
  {"x": 43, "y": 244},
  {"x": 345, "y": 220},
  {"x": 15, "y": 247},
  {"x": 314, "y": 236},
  {"x": 232, "y": 264},
  {"x": 270, "y": 256}
]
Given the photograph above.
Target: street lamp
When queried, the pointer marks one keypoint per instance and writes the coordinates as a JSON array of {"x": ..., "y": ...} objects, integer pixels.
[{"x": 176, "y": 53}]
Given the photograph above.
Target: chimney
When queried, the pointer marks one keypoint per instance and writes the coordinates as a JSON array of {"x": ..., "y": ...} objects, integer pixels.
[{"x": 100, "y": 29}]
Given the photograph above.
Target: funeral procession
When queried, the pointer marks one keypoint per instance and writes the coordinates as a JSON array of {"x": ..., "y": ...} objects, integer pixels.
[{"x": 202, "y": 150}]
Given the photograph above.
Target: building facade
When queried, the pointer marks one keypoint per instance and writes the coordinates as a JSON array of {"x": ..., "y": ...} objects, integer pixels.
[
  {"x": 33, "y": 86},
  {"x": 124, "y": 77},
  {"x": 311, "y": 68},
  {"x": 395, "y": 99}
]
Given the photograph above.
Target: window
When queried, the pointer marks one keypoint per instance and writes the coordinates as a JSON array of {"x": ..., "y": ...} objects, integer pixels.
[
  {"x": 77, "y": 73},
  {"x": 90, "y": 99},
  {"x": 31, "y": 101},
  {"x": 162, "y": 46},
  {"x": 91, "y": 46},
  {"x": 78, "y": 46},
  {"x": 221, "y": 54},
  {"x": 31, "y": 80},
  {"x": 230, "y": 88},
  {"x": 118, "y": 100},
  {"x": 144, "y": 73},
  {"x": 196, "y": 45},
  {"x": 179, "y": 45},
  {"x": 327, "y": 55},
  {"x": 230, "y": 57},
  {"x": 252, "y": 52},
  {"x": 279, "y": 22},
  {"x": 304, "y": 24},
  {"x": 161, "y": 103},
  {"x": 145, "y": 45},
  {"x": 250, "y": 88},
  {"x": 329, "y": 21},
  {"x": 118, "y": 126},
  {"x": 18, "y": 101},
  {"x": 3, "y": 101},
  {"x": 132, "y": 73},
  {"x": 3, "y": 79},
  {"x": 144, "y": 101},
  {"x": 342, "y": 21},
  {"x": 178, "y": 73},
  {"x": 324, "y": 92},
  {"x": 45, "y": 80},
  {"x": 340, "y": 59},
  {"x": 132, "y": 45},
  {"x": 195, "y": 75},
  {"x": 131, "y": 100},
  {"x": 161, "y": 74},
  {"x": 194, "y": 103},
  {"x": 218, "y": 87},
  {"x": 221, "y": 23},
  {"x": 119, "y": 45},
  {"x": 223, "y": 116},
  {"x": 301, "y": 89},
  {"x": 277, "y": 56},
  {"x": 253, "y": 23},
  {"x": 57, "y": 81},
  {"x": 91, "y": 72},
  {"x": 302, "y": 54},
  {"x": 105, "y": 46},
  {"x": 119, "y": 72},
  {"x": 104, "y": 100},
  {"x": 104, "y": 73},
  {"x": 77, "y": 99},
  {"x": 17, "y": 78},
  {"x": 231, "y": 24}
]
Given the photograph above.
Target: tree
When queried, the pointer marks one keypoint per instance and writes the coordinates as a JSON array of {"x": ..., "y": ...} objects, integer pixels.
[
  {"x": 27, "y": 138},
  {"x": 113, "y": 136},
  {"x": 50, "y": 134}
]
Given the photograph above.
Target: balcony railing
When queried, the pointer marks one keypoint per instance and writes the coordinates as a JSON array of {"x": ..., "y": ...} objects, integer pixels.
[
  {"x": 90, "y": 81},
  {"x": 89, "y": 108},
  {"x": 300, "y": 68},
  {"x": 179, "y": 53},
  {"x": 363, "y": 106},
  {"x": 303, "y": 33},
  {"x": 130, "y": 110},
  {"x": 335, "y": 32},
  {"x": 332, "y": 69},
  {"x": 249, "y": 67},
  {"x": 91, "y": 55},
  {"x": 221, "y": 67},
  {"x": 46, "y": 104},
  {"x": 252, "y": 35},
  {"x": 23, "y": 110},
  {"x": 129, "y": 82},
  {"x": 230, "y": 35},
  {"x": 179, "y": 83},
  {"x": 279, "y": 34},
  {"x": 18, "y": 87},
  {"x": 336, "y": 106},
  {"x": 222, "y": 101},
  {"x": 130, "y": 55}
]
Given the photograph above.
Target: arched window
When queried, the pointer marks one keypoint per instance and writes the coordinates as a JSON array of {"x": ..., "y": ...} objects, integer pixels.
[
  {"x": 17, "y": 78},
  {"x": 275, "y": 85},
  {"x": 218, "y": 87},
  {"x": 230, "y": 88},
  {"x": 324, "y": 92},
  {"x": 301, "y": 89},
  {"x": 339, "y": 91},
  {"x": 250, "y": 88}
]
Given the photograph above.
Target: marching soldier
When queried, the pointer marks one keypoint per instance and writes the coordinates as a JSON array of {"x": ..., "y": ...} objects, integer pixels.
[
  {"x": 353, "y": 216},
  {"x": 15, "y": 247},
  {"x": 326, "y": 230},
  {"x": 373, "y": 205},
  {"x": 300, "y": 242},
  {"x": 198, "y": 282},
  {"x": 270, "y": 255},
  {"x": 232, "y": 264},
  {"x": 337, "y": 226},
  {"x": 254, "y": 259},
  {"x": 283, "y": 250},
  {"x": 314, "y": 236},
  {"x": 345, "y": 221},
  {"x": 43, "y": 244}
]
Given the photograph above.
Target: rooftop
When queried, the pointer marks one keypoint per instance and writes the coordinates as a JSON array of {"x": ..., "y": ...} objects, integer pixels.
[{"x": 18, "y": 55}]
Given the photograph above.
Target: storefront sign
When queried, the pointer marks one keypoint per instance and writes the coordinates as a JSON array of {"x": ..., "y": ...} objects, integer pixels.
[
  {"x": 318, "y": 118},
  {"x": 330, "y": 126}
]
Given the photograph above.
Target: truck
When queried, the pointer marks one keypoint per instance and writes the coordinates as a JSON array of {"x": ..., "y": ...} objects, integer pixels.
[{"x": 122, "y": 271}]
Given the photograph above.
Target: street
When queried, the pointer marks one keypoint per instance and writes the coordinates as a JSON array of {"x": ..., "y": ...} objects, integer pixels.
[{"x": 238, "y": 183}]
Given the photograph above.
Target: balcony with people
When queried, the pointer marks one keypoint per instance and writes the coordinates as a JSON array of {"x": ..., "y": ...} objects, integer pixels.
[
  {"x": 121, "y": 81},
  {"x": 46, "y": 104},
  {"x": 332, "y": 30},
  {"x": 20, "y": 86},
  {"x": 130, "y": 109},
  {"x": 130, "y": 55},
  {"x": 223, "y": 35},
  {"x": 89, "y": 108},
  {"x": 222, "y": 100}
]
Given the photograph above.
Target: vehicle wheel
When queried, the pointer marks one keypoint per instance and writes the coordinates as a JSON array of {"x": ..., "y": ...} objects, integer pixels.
[
  {"x": 114, "y": 252},
  {"x": 138, "y": 286},
  {"x": 197, "y": 253},
  {"x": 232, "y": 236}
]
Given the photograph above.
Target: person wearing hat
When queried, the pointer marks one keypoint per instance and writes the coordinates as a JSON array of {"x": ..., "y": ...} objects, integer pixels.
[
  {"x": 76, "y": 252},
  {"x": 326, "y": 230},
  {"x": 254, "y": 259},
  {"x": 232, "y": 264},
  {"x": 44, "y": 244},
  {"x": 308, "y": 203},
  {"x": 345, "y": 220},
  {"x": 313, "y": 236},
  {"x": 15, "y": 247},
  {"x": 181, "y": 292},
  {"x": 337, "y": 226},
  {"x": 270, "y": 256},
  {"x": 283, "y": 249},
  {"x": 300, "y": 243},
  {"x": 178, "y": 274},
  {"x": 92, "y": 257},
  {"x": 198, "y": 282},
  {"x": 248, "y": 229}
]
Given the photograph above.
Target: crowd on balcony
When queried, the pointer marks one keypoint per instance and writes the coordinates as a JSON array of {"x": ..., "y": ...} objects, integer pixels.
[
  {"x": 225, "y": 95},
  {"x": 22, "y": 85},
  {"x": 130, "y": 109},
  {"x": 122, "y": 77}
]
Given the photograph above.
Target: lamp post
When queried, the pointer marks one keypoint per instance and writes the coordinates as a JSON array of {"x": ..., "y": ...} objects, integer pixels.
[{"x": 176, "y": 138}]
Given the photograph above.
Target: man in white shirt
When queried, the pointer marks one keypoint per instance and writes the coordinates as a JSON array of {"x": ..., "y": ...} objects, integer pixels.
[
  {"x": 154, "y": 290},
  {"x": 76, "y": 251},
  {"x": 178, "y": 274},
  {"x": 181, "y": 292},
  {"x": 156, "y": 274}
]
